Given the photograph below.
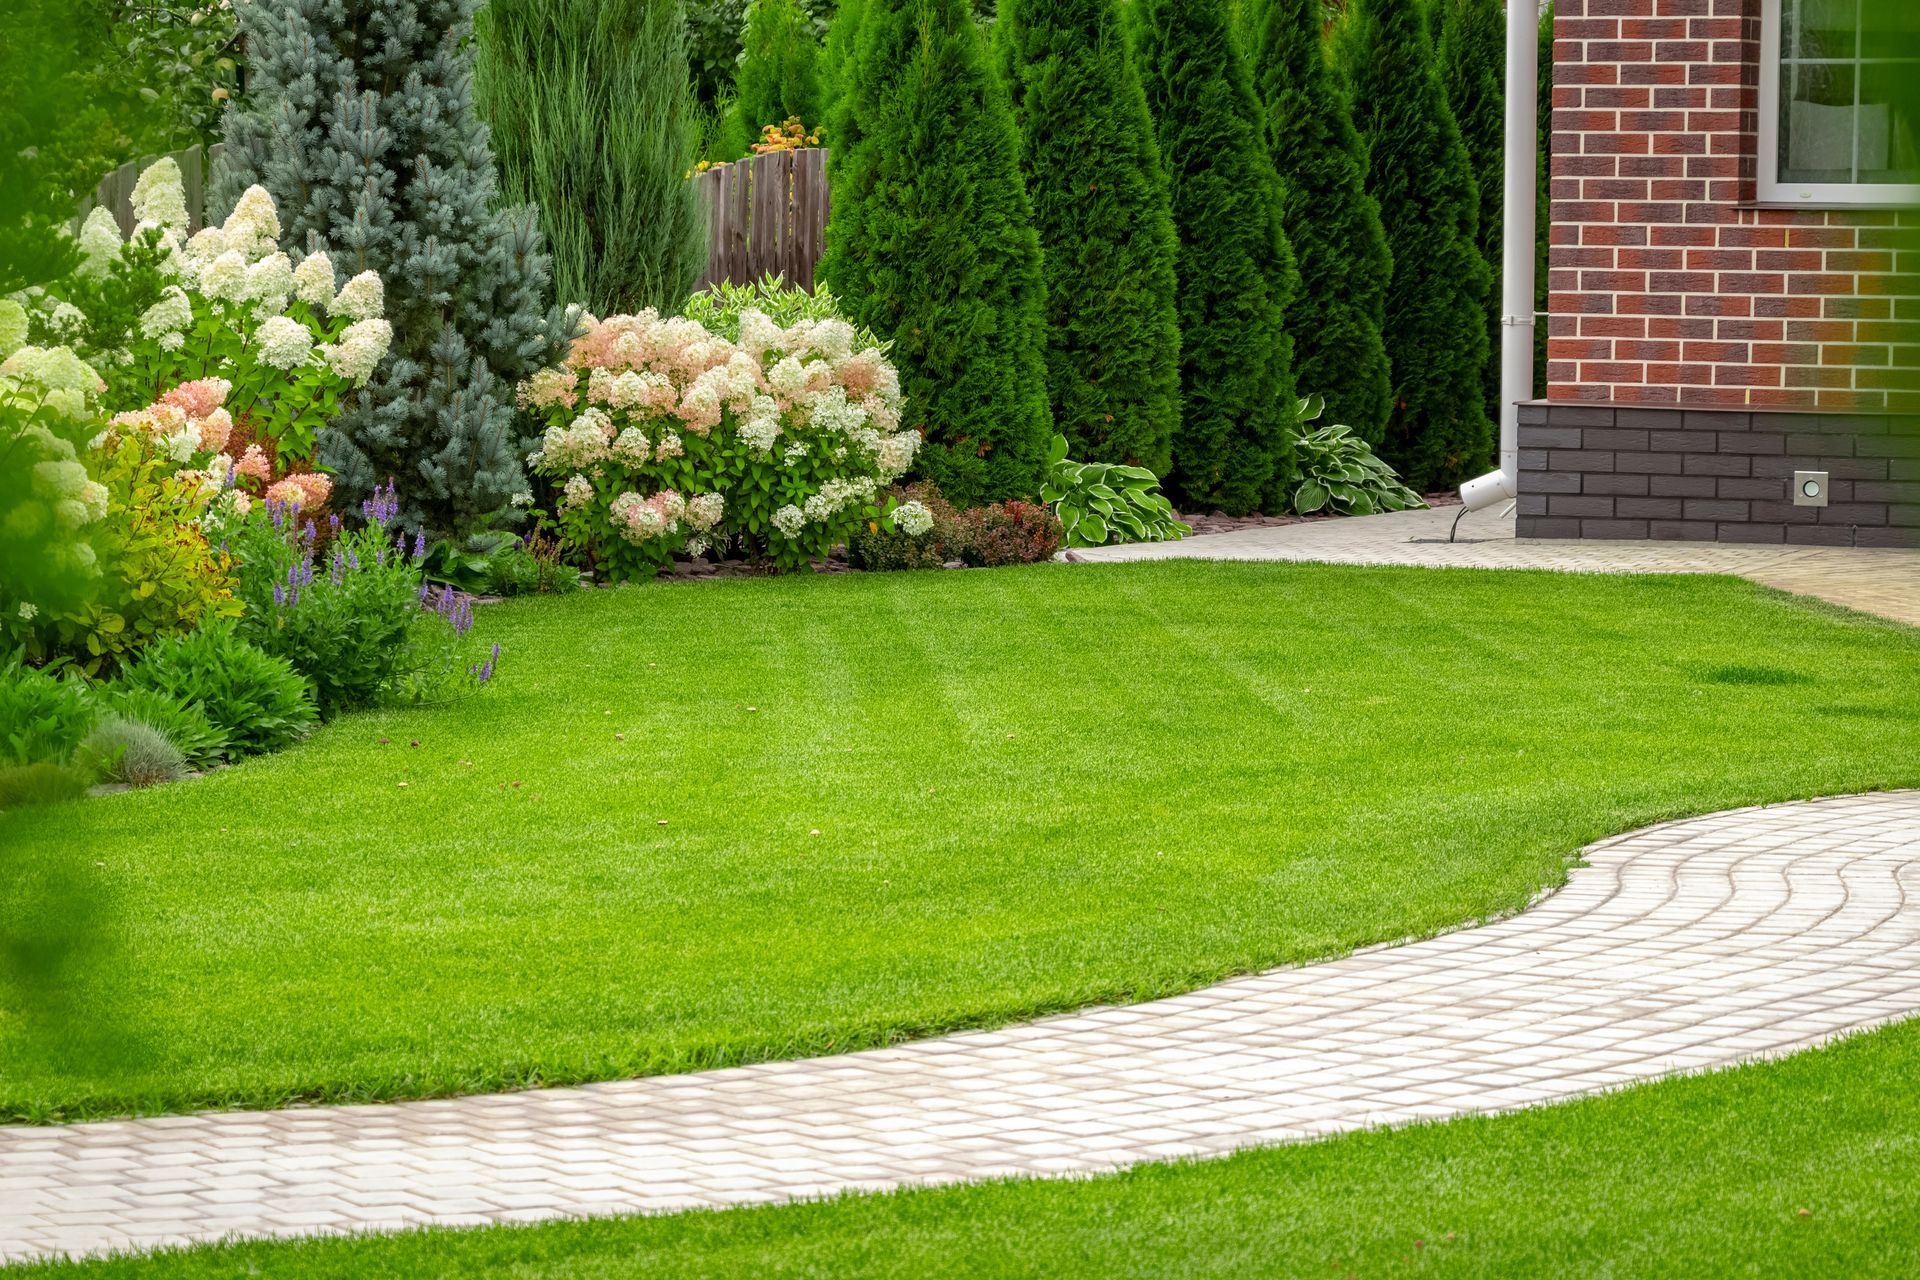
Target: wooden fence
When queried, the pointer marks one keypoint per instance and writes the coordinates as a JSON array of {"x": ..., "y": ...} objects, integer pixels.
[
  {"x": 115, "y": 192},
  {"x": 766, "y": 215}
]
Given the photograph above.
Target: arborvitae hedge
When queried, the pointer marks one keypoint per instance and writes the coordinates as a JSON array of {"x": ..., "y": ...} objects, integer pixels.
[
  {"x": 1473, "y": 61},
  {"x": 1419, "y": 173},
  {"x": 1101, "y": 208},
  {"x": 779, "y": 70},
  {"x": 836, "y": 59},
  {"x": 1234, "y": 449},
  {"x": 1330, "y": 220},
  {"x": 592, "y": 119},
  {"x": 931, "y": 244}
]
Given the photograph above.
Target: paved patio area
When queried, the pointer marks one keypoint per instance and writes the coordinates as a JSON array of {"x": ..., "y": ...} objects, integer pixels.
[
  {"x": 1876, "y": 580},
  {"x": 1678, "y": 948}
]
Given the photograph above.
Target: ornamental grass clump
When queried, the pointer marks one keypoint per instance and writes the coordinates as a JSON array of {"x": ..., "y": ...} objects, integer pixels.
[{"x": 665, "y": 439}]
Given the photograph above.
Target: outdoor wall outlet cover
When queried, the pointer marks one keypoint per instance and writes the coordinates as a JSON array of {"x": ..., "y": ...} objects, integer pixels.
[{"x": 1809, "y": 488}]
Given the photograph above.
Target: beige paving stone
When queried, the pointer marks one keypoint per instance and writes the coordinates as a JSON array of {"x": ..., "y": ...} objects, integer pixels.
[{"x": 1875, "y": 580}]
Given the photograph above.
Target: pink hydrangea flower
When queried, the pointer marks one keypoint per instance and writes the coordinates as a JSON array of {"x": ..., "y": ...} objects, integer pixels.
[{"x": 200, "y": 397}]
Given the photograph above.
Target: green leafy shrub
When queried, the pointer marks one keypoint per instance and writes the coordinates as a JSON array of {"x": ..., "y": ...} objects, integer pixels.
[
  {"x": 134, "y": 753},
  {"x": 1338, "y": 471},
  {"x": 161, "y": 576},
  {"x": 531, "y": 566},
  {"x": 185, "y": 724},
  {"x": 259, "y": 701},
  {"x": 1103, "y": 502},
  {"x": 905, "y": 542},
  {"x": 42, "y": 717},
  {"x": 718, "y": 308},
  {"x": 1012, "y": 532},
  {"x": 779, "y": 72}
]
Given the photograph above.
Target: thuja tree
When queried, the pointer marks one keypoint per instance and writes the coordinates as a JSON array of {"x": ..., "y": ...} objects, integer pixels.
[
  {"x": 591, "y": 116},
  {"x": 932, "y": 245},
  {"x": 779, "y": 67},
  {"x": 1101, "y": 208},
  {"x": 1419, "y": 173},
  {"x": 1233, "y": 449},
  {"x": 360, "y": 121},
  {"x": 1330, "y": 220},
  {"x": 1473, "y": 60}
]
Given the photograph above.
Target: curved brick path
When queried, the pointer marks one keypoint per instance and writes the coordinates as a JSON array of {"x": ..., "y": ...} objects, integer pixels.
[{"x": 1679, "y": 947}]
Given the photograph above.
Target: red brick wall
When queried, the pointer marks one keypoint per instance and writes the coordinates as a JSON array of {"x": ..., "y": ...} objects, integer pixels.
[{"x": 1667, "y": 287}]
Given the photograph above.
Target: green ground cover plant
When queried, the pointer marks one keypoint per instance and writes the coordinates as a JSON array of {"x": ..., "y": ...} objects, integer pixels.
[
  {"x": 1034, "y": 789},
  {"x": 1794, "y": 1168}
]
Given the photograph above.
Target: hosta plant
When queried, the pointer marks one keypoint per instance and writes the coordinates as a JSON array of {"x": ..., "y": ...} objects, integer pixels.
[
  {"x": 665, "y": 438},
  {"x": 1339, "y": 472},
  {"x": 1104, "y": 502}
]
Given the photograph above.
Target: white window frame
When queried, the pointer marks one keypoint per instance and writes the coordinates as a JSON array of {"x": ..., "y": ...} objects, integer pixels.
[{"x": 1812, "y": 195}]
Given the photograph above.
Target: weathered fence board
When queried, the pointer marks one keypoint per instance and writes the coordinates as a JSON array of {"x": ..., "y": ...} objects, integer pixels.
[
  {"x": 115, "y": 192},
  {"x": 766, "y": 215}
]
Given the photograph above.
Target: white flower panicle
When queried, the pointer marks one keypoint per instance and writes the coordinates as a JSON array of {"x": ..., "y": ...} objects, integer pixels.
[
  {"x": 578, "y": 491},
  {"x": 284, "y": 342},
  {"x": 225, "y": 278},
  {"x": 912, "y": 518},
  {"x": 160, "y": 196},
  {"x": 253, "y": 228},
  {"x": 790, "y": 520},
  {"x": 99, "y": 243},
  {"x": 269, "y": 282},
  {"x": 360, "y": 349},
  {"x": 313, "y": 281},
  {"x": 361, "y": 298}
]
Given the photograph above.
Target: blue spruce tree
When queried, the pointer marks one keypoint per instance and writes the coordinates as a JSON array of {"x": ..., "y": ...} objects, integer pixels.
[{"x": 360, "y": 121}]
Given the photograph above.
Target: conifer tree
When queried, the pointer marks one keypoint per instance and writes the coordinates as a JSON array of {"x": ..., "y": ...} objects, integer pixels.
[
  {"x": 1101, "y": 208},
  {"x": 931, "y": 244},
  {"x": 1233, "y": 449},
  {"x": 1473, "y": 62},
  {"x": 592, "y": 121},
  {"x": 779, "y": 67},
  {"x": 1330, "y": 220},
  {"x": 836, "y": 59},
  {"x": 1419, "y": 174},
  {"x": 360, "y": 122}
]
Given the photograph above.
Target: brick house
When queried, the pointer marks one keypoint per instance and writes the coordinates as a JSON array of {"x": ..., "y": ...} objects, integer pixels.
[{"x": 1734, "y": 275}]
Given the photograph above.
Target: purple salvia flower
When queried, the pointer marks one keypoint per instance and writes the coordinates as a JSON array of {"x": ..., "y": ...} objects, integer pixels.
[
  {"x": 333, "y": 523},
  {"x": 310, "y": 533},
  {"x": 279, "y": 596},
  {"x": 420, "y": 544},
  {"x": 353, "y": 560}
]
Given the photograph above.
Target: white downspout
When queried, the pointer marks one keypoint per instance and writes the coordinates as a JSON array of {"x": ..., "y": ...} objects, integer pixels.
[{"x": 1518, "y": 242}]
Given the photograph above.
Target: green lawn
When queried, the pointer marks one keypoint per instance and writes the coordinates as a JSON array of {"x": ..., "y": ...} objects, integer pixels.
[
  {"x": 1031, "y": 788},
  {"x": 1698, "y": 1177}
]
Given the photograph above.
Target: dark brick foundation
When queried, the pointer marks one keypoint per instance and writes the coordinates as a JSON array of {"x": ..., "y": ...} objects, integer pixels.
[{"x": 1605, "y": 471}]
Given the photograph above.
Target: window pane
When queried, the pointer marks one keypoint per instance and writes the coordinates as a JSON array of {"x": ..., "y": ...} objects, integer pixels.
[
  {"x": 1886, "y": 122},
  {"x": 1817, "y": 122},
  {"x": 1820, "y": 28},
  {"x": 1890, "y": 29}
]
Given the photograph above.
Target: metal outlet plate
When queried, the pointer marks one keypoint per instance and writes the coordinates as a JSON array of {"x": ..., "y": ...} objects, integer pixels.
[{"x": 1810, "y": 488}]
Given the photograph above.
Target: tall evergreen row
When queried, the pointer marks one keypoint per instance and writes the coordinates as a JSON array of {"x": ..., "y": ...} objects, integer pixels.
[{"x": 1150, "y": 226}]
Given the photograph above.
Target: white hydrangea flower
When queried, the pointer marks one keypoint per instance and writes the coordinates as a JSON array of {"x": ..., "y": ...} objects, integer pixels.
[
  {"x": 362, "y": 346},
  {"x": 896, "y": 453},
  {"x": 253, "y": 228},
  {"x": 100, "y": 243},
  {"x": 524, "y": 498},
  {"x": 912, "y": 518},
  {"x": 180, "y": 446},
  {"x": 670, "y": 446},
  {"x": 578, "y": 490},
  {"x": 313, "y": 281},
  {"x": 632, "y": 446},
  {"x": 13, "y": 327},
  {"x": 206, "y": 244},
  {"x": 790, "y": 520},
  {"x": 704, "y": 510},
  {"x": 757, "y": 332},
  {"x": 270, "y": 281},
  {"x": 788, "y": 378},
  {"x": 225, "y": 277},
  {"x": 172, "y": 314},
  {"x": 832, "y": 339},
  {"x": 160, "y": 197},
  {"x": 361, "y": 298},
  {"x": 284, "y": 342}
]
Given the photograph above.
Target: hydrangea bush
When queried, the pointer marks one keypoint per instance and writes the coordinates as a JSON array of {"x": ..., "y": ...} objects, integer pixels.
[
  {"x": 663, "y": 437},
  {"x": 227, "y": 303}
]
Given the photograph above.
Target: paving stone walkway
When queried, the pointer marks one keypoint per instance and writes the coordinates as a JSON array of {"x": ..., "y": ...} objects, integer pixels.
[
  {"x": 1681, "y": 947},
  {"x": 1880, "y": 580}
]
